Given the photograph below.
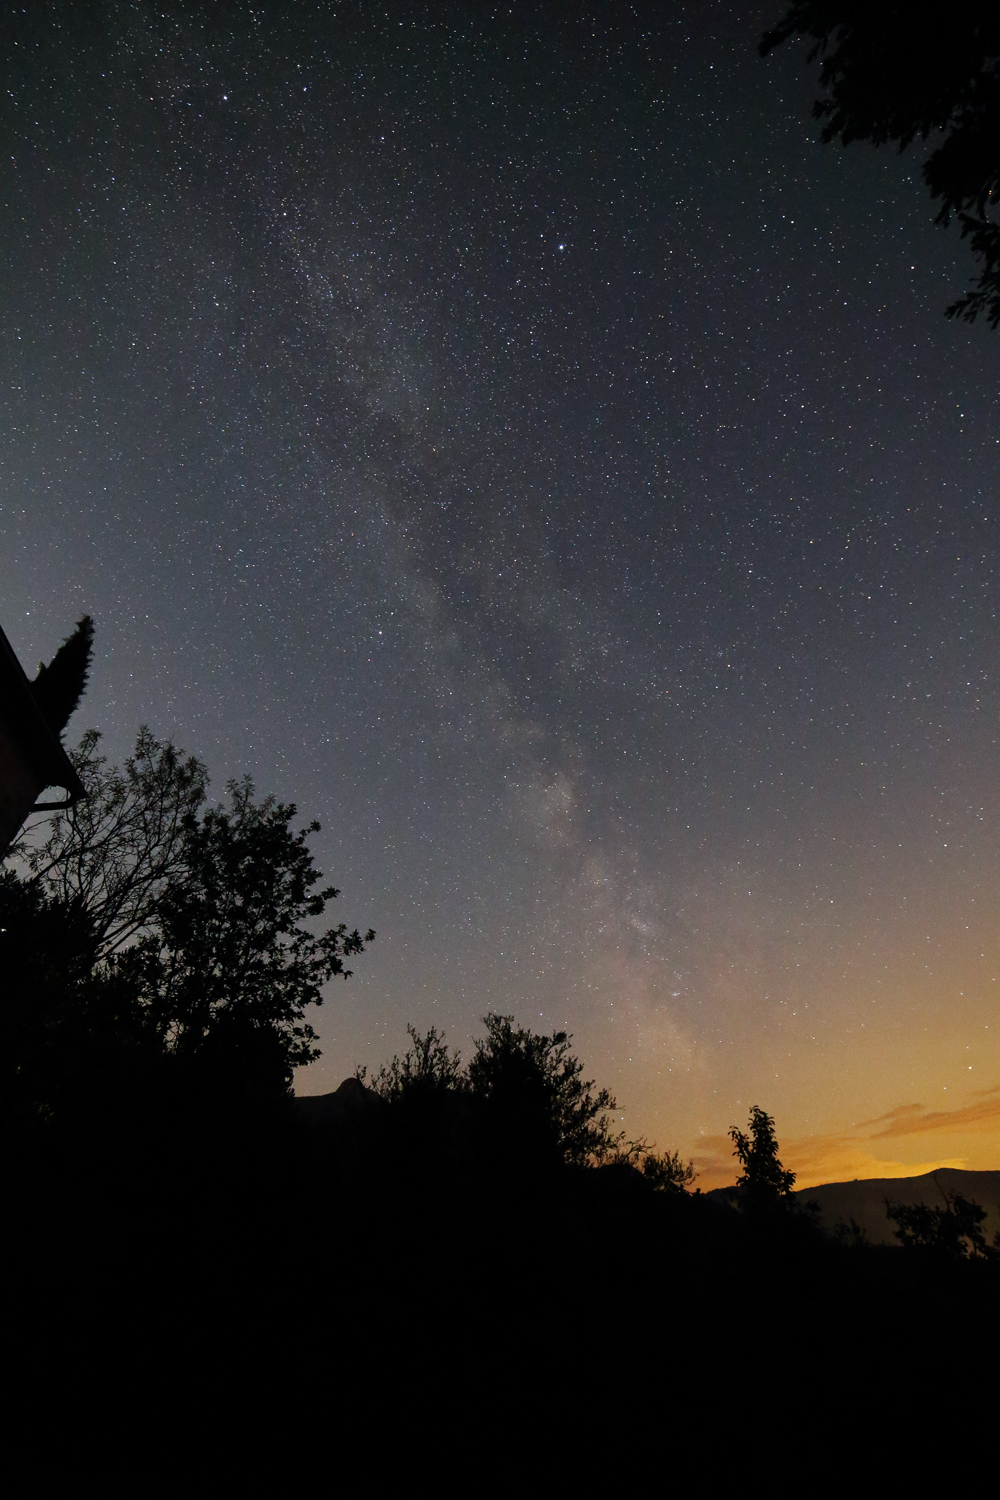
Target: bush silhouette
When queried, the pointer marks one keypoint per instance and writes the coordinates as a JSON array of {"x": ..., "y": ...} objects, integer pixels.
[
  {"x": 951, "y": 1233},
  {"x": 533, "y": 1104},
  {"x": 764, "y": 1181}
]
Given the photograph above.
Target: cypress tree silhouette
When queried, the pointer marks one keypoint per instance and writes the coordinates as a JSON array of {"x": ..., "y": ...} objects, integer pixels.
[{"x": 59, "y": 686}]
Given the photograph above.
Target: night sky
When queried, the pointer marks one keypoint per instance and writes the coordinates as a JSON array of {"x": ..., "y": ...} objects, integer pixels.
[{"x": 506, "y": 433}]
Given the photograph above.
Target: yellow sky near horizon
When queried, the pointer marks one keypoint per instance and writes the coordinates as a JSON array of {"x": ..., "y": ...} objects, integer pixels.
[
  {"x": 907, "y": 1141},
  {"x": 870, "y": 1038}
]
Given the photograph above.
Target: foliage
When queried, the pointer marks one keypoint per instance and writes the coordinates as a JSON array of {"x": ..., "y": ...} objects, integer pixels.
[
  {"x": 534, "y": 1103},
  {"x": 427, "y": 1067},
  {"x": 116, "y": 852},
  {"x": 666, "y": 1172},
  {"x": 69, "y": 1031},
  {"x": 230, "y": 962},
  {"x": 428, "y": 1120},
  {"x": 521, "y": 1101},
  {"x": 167, "y": 930},
  {"x": 59, "y": 687},
  {"x": 764, "y": 1179},
  {"x": 898, "y": 73},
  {"x": 851, "y": 1235},
  {"x": 951, "y": 1233}
]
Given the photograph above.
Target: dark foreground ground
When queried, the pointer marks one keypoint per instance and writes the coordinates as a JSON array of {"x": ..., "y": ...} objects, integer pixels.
[{"x": 223, "y": 1308}]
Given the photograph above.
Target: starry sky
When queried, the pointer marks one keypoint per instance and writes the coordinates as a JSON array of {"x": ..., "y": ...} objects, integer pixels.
[{"x": 505, "y": 432}]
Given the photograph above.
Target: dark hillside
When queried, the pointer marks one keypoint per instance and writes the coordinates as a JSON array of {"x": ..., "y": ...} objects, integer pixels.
[{"x": 864, "y": 1200}]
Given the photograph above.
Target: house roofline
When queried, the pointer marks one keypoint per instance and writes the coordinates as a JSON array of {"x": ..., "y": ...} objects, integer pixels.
[{"x": 30, "y": 729}]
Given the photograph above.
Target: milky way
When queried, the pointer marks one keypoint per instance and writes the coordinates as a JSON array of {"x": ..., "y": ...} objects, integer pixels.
[{"x": 516, "y": 441}]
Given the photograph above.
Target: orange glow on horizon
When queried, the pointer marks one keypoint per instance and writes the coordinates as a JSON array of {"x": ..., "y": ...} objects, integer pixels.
[{"x": 967, "y": 1136}]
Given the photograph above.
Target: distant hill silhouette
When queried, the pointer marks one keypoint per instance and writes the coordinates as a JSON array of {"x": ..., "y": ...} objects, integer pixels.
[
  {"x": 864, "y": 1199},
  {"x": 354, "y": 1116},
  {"x": 350, "y": 1107}
]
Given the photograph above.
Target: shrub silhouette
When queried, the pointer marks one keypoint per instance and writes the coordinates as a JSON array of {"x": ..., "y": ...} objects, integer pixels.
[
  {"x": 764, "y": 1180},
  {"x": 521, "y": 1103},
  {"x": 427, "y": 1067},
  {"x": 951, "y": 1233},
  {"x": 534, "y": 1104},
  {"x": 666, "y": 1172}
]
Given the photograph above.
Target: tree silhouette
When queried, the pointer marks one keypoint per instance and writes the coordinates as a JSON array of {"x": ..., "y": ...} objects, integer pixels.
[
  {"x": 59, "y": 686},
  {"x": 428, "y": 1120},
  {"x": 534, "y": 1104},
  {"x": 116, "y": 852},
  {"x": 898, "y": 73},
  {"x": 951, "y": 1233},
  {"x": 521, "y": 1101},
  {"x": 65, "y": 1027},
  {"x": 764, "y": 1180},
  {"x": 666, "y": 1172},
  {"x": 428, "y": 1067},
  {"x": 181, "y": 933},
  {"x": 230, "y": 966}
]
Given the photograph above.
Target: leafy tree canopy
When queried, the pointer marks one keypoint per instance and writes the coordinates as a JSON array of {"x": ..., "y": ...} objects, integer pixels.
[
  {"x": 896, "y": 72},
  {"x": 115, "y": 853},
  {"x": 764, "y": 1179},
  {"x": 181, "y": 931},
  {"x": 536, "y": 1102},
  {"x": 428, "y": 1067},
  {"x": 524, "y": 1097},
  {"x": 230, "y": 961},
  {"x": 951, "y": 1233},
  {"x": 64, "y": 1026},
  {"x": 666, "y": 1171}
]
